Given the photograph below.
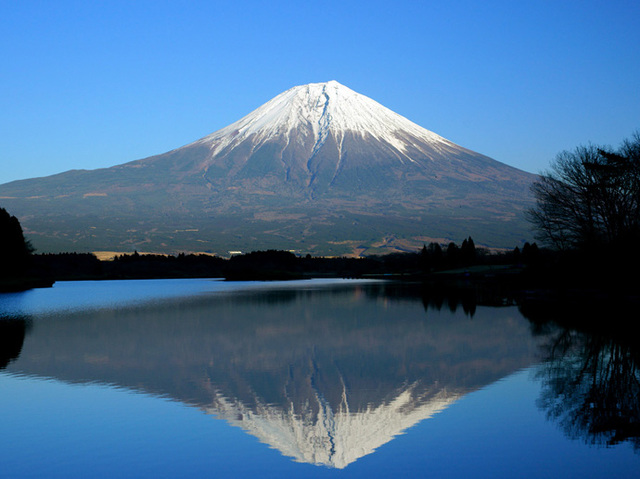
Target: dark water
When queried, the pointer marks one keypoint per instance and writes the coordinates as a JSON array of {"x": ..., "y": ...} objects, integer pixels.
[{"x": 201, "y": 378}]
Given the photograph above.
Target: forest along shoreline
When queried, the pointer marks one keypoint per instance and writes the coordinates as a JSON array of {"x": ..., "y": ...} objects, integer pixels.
[
  {"x": 526, "y": 272},
  {"x": 580, "y": 293},
  {"x": 590, "y": 293}
]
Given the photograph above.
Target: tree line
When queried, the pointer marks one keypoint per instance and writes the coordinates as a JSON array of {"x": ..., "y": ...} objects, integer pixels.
[
  {"x": 19, "y": 261},
  {"x": 276, "y": 264}
]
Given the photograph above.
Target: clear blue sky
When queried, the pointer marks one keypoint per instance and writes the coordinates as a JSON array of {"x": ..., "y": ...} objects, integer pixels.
[{"x": 91, "y": 84}]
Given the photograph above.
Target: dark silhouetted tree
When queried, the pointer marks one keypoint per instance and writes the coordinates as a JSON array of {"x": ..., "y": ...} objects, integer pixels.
[
  {"x": 431, "y": 257},
  {"x": 517, "y": 255},
  {"x": 14, "y": 249},
  {"x": 590, "y": 198},
  {"x": 468, "y": 252},
  {"x": 453, "y": 255},
  {"x": 425, "y": 260},
  {"x": 530, "y": 253},
  {"x": 436, "y": 254}
]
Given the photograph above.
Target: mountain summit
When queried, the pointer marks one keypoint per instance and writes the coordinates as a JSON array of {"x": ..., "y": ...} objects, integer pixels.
[
  {"x": 312, "y": 115},
  {"x": 320, "y": 134},
  {"x": 319, "y": 169}
]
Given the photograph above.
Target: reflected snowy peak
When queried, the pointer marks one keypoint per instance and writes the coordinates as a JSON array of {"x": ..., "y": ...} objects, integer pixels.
[{"x": 319, "y": 434}]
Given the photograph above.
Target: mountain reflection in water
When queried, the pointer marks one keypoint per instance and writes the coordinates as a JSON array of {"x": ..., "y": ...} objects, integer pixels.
[{"x": 324, "y": 375}]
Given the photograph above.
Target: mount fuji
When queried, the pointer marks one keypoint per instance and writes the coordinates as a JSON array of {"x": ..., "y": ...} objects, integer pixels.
[{"x": 318, "y": 169}]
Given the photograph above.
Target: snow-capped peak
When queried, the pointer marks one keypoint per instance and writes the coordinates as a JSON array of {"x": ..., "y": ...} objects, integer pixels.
[
  {"x": 332, "y": 437},
  {"x": 321, "y": 109}
]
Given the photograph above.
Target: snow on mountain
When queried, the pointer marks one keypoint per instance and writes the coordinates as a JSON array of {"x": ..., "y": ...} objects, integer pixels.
[
  {"x": 322, "y": 108},
  {"x": 328, "y": 437}
]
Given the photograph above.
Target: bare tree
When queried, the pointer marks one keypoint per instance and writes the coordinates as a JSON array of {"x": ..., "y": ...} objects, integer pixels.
[{"x": 589, "y": 197}]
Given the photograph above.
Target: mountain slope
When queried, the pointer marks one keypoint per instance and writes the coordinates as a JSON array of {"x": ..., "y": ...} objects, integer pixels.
[{"x": 319, "y": 168}]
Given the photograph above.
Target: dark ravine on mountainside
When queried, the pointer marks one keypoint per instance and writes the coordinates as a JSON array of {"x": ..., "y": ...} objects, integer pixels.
[{"x": 319, "y": 169}]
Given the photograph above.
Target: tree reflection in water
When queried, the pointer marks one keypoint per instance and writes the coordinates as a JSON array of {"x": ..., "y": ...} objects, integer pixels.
[
  {"x": 12, "y": 333},
  {"x": 591, "y": 383},
  {"x": 452, "y": 296}
]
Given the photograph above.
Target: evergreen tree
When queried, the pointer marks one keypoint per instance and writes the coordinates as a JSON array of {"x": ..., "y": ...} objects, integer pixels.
[
  {"x": 425, "y": 260},
  {"x": 14, "y": 249},
  {"x": 530, "y": 253},
  {"x": 468, "y": 252},
  {"x": 516, "y": 255},
  {"x": 453, "y": 255},
  {"x": 436, "y": 255}
]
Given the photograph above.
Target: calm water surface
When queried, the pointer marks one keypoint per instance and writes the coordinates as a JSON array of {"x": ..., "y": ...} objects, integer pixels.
[{"x": 323, "y": 378}]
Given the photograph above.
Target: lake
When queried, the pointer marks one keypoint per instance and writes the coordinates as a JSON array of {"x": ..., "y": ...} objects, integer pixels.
[{"x": 316, "y": 378}]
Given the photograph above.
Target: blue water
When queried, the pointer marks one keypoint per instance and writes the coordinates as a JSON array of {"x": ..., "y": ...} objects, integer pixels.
[
  {"x": 66, "y": 296},
  {"x": 189, "y": 378}
]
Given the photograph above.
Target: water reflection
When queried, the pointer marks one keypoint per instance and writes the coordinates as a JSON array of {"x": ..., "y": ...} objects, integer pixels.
[
  {"x": 456, "y": 297},
  {"x": 591, "y": 380},
  {"x": 326, "y": 375},
  {"x": 12, "y": 333}
]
